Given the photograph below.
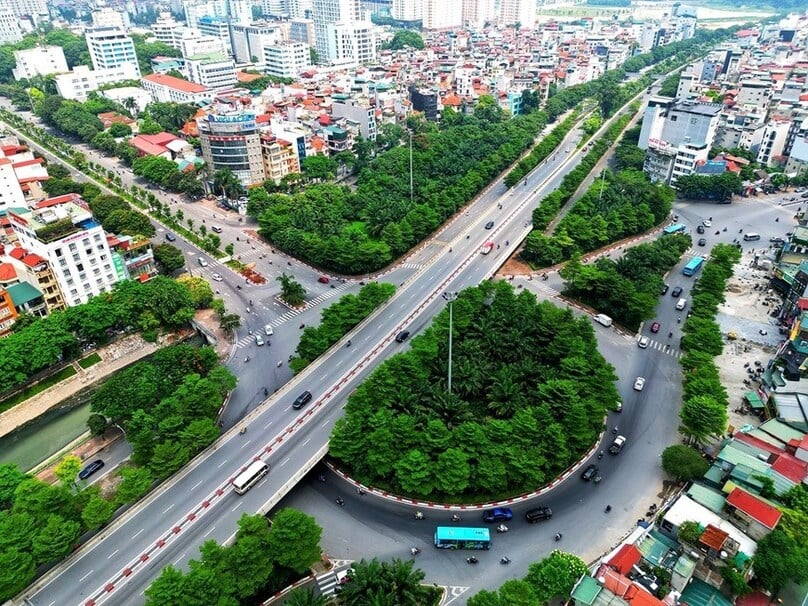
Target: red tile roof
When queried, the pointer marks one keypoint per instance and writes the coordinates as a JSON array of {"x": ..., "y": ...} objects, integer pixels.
[
  {"x": 791, "y": 467},
  {"x": 57, "y": 200},
  {"x": 625, "y": 558},
  {"x": 713, "y": 537},
  {"x": 152, "y": 145},
  {"x": 176, "y": 83},
  {"x": 755, "y": 508},
  {"x": 7, "y": 272},
  {"x": 28, "y": 162}
]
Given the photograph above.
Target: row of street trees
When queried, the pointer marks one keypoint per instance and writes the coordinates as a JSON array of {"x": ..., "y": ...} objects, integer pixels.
[{"x": 528, "y": 397}]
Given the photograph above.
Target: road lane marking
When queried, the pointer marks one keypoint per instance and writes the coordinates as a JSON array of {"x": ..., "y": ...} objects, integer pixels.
[
  {"x": 237, "y": 506},
  {"x": 267, "y": 425},
  {"x": 221, "y": 464},
  {"x": 86, "y": 575},
  {"x": 247, "y": 443},
  {"x": 306, "y": 442},
  {"x": 179, "y": 559},
  {"x": 212, "y": 528},
  {"x": 325, "y": 423},
  {"x": 196, "y": 485},
  {"x": 112, "y": 554},
  {"x": 138, "y": 532},
  {"x": 168, "y": 508},
  {"x": 285, "y": 461}
]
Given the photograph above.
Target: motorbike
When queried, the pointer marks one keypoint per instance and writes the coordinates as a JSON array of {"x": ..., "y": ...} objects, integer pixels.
[
  {"x": 242, "y": 431},
  {"x": 348, "y": 344},
  {"x": 608, "y": 508},
  {"x": 419, "y": 515},
  {"x": 472, "y": 560},
  {"x": 651, "y": 510},
  {"x": 455, "y": 518},
  {"x": 415, "y": 551},
  {"x": 502, "y": 528},
  {"x": 557, "y": 537},
  {"x": 340, "y": 501},
  {"x": 266, "y": 391},
  {"x": 600, "y": 455},
  {"x": 504, "y": 560}
]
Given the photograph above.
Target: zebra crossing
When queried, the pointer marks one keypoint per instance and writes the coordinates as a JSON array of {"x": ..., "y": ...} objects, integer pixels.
[
  {"x": 660, "y": 347},
  {"x": 328, "y": 582},
  {"x": 412, "y": 265}
]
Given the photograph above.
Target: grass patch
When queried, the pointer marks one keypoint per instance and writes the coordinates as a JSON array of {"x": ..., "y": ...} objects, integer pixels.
[
  {"x": 29, "y": 392},
  {"x": 93, "y": 358}
]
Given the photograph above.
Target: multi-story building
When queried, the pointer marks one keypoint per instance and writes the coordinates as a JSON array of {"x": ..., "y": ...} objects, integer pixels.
[
  {"x": 439, "y": 14},
  {"x": 37, "y": 271},
  {"x": 327, "y": 13},
  {"x": 8, "y": 313},
  {"x": 216, "y": 27},
  {"x": 248, "y": 41},
  {"x": 10, "y": 190},
  {"x": 753, "y": 94},
  {"x": 216, "y": 71},
  {"x": 193, "y": 42},
  {"x": 10, "y": 31},
  {"x": 276, "y": 9},
  {"x": 301, "y": 9},
  {"x": 773, "y": 141},
  {"x": 168, "y": 31},
  {"x": 196, "y": 9},
  {"x": 352, "y": 43},
  {"x": 302, "y": 30},
  {"x": 522, "y": 12},
  {"x": 476, "y": 13},
  {"x": 165, "y": 88},
  {"x": 135, "y": 254},
  {"x": 110, "y": 47},
  {"x": 107, "y": 17},
  {"x": 63, "y": 231},
  {"x": 360, "y": 113},
  {"x": 229, "y": 138},
  {"x": 279, "y": 156},
  {"x": 287, "y": 60},
  {"x": 39, "y": 61},
  {"x": 36, "y": 10},
  {"x": 78, "y": 83},
  {"x": 407, "y": 10}
]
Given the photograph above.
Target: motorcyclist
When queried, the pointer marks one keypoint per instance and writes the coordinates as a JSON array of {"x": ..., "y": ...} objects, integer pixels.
[
  {"x": 608, "y": 508},
  {"x": 670, "y": 335},
  {"x": 455, "y": 517},
  {"x": 472, "y": 560},
  {"x": 415, "y": 550},
  {"x": 558, "y": 536},
  {"x": 266, "y": 391}
]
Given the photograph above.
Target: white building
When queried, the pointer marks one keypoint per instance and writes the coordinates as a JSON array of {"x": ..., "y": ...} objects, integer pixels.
[
  {"x": 440, "y": 14},
  {"x": 300, "y": 9},
  {"x": 165, "y": 88},
  {"x": 10, "y": 31},
  {"x": 287, "y": 60},
  {"x": 63, "y": 231},
  {"x": 352, "y": 43},
  {"x": 217, "y": 27},
  {"x": 193, "y": 42},
  {"x": 518, "y": 11},
  {"x": 248, "y": 41},
  {"x": 773, "y": 141},
  {"x": 476, "y": 13},
  {"x": 110, "y": 47},
  {"x": 278, "y": 9},
  {"x": 39, "y": 61},
  {"x": 82, "y": 80},
  {"x": 107, "y": 17},
  {"x": 10, "y": 190},
  {"x": 358, "y": 113},
  {"x": 407, "y": 10},
  {"x": 753, "y": 94},
  {"x": 168, "y": 31},
  {"x": 326, "y": 13},
  {"x": 213, "y": 70},
  {"x": 195, "y": 10},
  {"x": 37, "y": 10}
]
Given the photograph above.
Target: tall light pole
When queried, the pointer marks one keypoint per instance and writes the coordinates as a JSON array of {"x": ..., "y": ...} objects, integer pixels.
[
  {"x": 450, "y": 297},
  {"x": 411, "y": 173}
]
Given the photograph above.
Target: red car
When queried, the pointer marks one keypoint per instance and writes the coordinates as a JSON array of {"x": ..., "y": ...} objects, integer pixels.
[
  {"x": 655, "y": 327},
  {"x": 322, "y": 280}
]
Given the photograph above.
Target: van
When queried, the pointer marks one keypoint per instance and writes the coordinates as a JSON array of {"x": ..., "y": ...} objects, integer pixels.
[
  {"x": 750, "y": 237},
  {"x": 217, "y": 229},
  {"x": 681, "y": 304},
  {"x": 603, "y": 319}
]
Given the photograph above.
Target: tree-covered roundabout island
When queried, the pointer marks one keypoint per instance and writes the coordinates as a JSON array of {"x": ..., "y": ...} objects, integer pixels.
[{"x": 529, "y": 394}]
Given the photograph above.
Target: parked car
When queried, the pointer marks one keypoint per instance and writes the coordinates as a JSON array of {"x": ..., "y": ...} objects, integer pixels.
[
  {"x": 590, "y": 472},
  {"x": 91, "y": 469},
  {"x": 538, "y": 514},
  {"x": 639, "y": 383},
  {"x": 323, "y": 280},
  {"x": 665, "y": 288},
  {"x": 643, "y": 342},
  {"x": 498, "y": 514},
  {"x": 655, "y": 327}
]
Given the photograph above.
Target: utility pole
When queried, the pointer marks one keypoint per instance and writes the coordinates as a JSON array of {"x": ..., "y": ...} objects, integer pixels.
[{"x": 450, "y": 297}]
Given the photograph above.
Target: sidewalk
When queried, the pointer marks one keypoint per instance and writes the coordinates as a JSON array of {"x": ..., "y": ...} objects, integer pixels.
[{"x": 113, "y": 358}]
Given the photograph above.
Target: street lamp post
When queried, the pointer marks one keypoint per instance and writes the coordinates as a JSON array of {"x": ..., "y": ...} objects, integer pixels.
[
  {"x": 411, "y": 174},
  {"x": 450, "y": 298}
]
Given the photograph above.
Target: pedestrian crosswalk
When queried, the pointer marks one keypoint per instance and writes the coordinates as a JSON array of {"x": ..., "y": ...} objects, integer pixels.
[
  {"x": 328, "y": 582},
  {"x": 661, "y": 347},
  {"x": 412, "y": 265}
]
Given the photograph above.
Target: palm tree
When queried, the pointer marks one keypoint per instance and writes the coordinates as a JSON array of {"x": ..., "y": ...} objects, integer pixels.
[{"x": 305, "y": 597}]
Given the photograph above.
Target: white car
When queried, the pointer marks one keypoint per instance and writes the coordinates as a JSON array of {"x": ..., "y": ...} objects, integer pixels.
[
  {"x": 258, "y": 340},
  {"x": 643, "y": 342},
  {"x": 639, "y": 383},
  {"x": 216, "y": 278},
  {"x": 268, "y": 330},
  {"x": 707, "y": 223}
]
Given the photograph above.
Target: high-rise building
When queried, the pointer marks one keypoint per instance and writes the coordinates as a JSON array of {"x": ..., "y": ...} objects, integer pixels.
[
  {"x": 10, "y": 31},
  {"x": 214, "y": 70},
  {"x": 286, "y": 60},
  {"x": 196, "y": 9},
  {"x": 300, "y": 9},
  {"x": 407, "y": 10},
  {"x": 39, "y": 61},
  {"x": 476, "y": 13},
  {"x": 37, "y": 10},
  {"x": 168, "y": 31},
  {"x": 302, "y": 30},
  {"x": 248, "y": 41},
  {"x": 194, "y": 42},
  {"x": 63, "y": 231},
  {"x": 216, "y": 27},
  {"x": 229, "y": 138},
  {"x": 106, "y": 17},
  {"x": 522, "y": 12},
  {"x": 352, "y": 43},
  {"x": 440, "y": 14},
  {"x": 327, "y": 13},
  {"x": 110, "y": 47},
  {"x": 277, "y": 9}
]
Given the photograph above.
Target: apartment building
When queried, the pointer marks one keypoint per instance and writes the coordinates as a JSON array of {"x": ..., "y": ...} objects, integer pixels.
[
  {"x": 10, "y": 31},
  {"x": 773, "y": 141},
  {"x": 216, "y": 27},
  {"x": 8, "y": 313},
  {"x": 196, "y": 9},
  {"x": 358, "y": 112},
  {"x": 39, "y": 61},
  {"x": 63, "y": 231},
  {"x": 476, "y": 13},
  {"x": 440, "y": 14},
  {"x": 753, "y": 94},
  {"x": 326, "y": 13},
  {"x": 168, "y": 30},
  {"x": 107, "y": 17},
  {"x": 11, "y": 194},
  {"x": 36, "y": 10},
  {"x": 35, "y": 270},
  {"x": 279, "y": 157},
  {"x": 248, "y": 41},
  {"x": 110, "y": 47},
  {"x": 229, "y": 138},
  {"x": 78, "y": 83},
  {"x": 352, "y": 44},
  {"x": 407, "y": 10},
  {"x": 193, "y": 42},
  {"x": 522, "y": 12},
  {"x": 287, "y": 60},
  {"x": 166, "y": 89},
  {"x": 215, "y": 70}
]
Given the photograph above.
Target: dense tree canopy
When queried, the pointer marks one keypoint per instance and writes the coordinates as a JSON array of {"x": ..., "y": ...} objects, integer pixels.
[
  {"x": 708, "y": 187},
  {"x": 397, "y": 582},
  {"x": 404, "y": 38},
  {"x": 529, "y": 394}
]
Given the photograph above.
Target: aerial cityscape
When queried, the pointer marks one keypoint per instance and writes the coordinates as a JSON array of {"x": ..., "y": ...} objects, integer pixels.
[{"x": 403, "y": 303}]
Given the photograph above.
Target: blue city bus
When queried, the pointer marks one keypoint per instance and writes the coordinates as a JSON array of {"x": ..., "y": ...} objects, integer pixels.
[
  {"x": 457, "y": 537},
  {"x": 676, "y": 228},
  {"x": 693, "y": 266}
]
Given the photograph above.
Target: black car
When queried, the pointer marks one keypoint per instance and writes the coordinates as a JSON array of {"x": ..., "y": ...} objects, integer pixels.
[
  {"x": 539, "y": 514},
  {"x": 665, "y": 288},
  {"x": 489, "y": 225},
  {"x": 676, "y": 291},
  {"x": 91, "y": 469},
  {"x": 700, "y": 229},
  {"x": 302, "y": 400},
  {"x": 590, "y": 472},
  {"x": 702, "y": 241},
  {"x": 402, "y": 336}
]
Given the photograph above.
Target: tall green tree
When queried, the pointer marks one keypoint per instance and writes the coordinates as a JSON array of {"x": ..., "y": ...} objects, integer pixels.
[
  {"x": 292, "y": 291},
  {"x": 555, "y": 575},
  {"x": 226, "y": 183},
  {"x": 295, "y": 539}
]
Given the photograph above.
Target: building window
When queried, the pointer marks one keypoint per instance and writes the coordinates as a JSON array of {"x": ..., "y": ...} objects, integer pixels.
[{"x": 73, "y": 247}]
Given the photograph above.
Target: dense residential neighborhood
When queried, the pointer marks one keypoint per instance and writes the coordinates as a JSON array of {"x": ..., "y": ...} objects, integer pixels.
[{"x": 403, "y": 302}]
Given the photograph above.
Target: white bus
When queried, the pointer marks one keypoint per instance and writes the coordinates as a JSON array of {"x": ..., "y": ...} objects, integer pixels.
[{"x": 250, "y": 476}]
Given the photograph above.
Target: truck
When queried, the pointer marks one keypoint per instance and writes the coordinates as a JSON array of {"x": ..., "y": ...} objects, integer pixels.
[{"x": 617, "y": 445}]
